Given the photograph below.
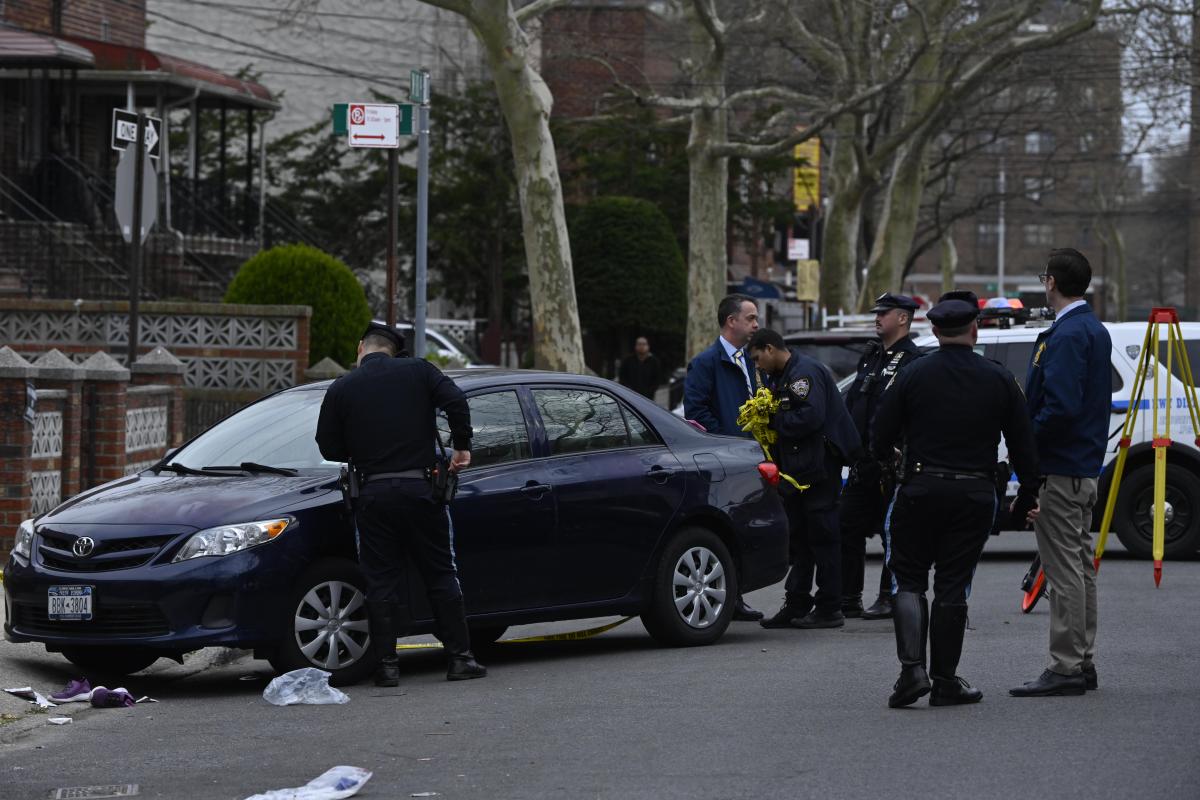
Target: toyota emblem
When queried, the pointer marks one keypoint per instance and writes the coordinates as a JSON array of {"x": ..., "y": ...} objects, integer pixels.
[{"x": 83, "y": 546}]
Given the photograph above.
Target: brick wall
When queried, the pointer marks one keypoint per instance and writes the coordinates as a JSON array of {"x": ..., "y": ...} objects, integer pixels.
[{"x": 125, "y": 19}]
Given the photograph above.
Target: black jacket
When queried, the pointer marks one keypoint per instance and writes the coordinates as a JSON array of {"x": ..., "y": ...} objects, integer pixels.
[
  {"x": 948, "y": 411},
  {"x": 875, "y": 371},
  {"x": 813, "y": 424},
  {"x": 381, "y": 415}
]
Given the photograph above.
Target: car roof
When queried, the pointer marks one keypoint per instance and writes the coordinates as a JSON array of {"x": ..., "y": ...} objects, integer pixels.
[
  {"x": 468, "y": 379},
  {"x": 1120, "y": 330},
  {"x": 831, "y": 336}
]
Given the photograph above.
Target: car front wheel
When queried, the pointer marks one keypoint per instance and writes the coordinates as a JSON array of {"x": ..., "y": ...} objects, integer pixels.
[
  {"x": 327, "y": 626},
  {"x": 695, "y": 590},
  {"x": 1134, "y": 514}
]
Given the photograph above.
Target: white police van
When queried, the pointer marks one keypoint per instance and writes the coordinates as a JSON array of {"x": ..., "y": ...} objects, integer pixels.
[{"x": 1133, "y": 515}]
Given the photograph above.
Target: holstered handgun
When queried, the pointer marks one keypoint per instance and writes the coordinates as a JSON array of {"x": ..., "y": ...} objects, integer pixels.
[{"x": 348, "y": 483}]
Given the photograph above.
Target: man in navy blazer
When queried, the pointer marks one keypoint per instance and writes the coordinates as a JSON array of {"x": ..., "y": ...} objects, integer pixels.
[
  {"x": 722, "y": 378},
  {"x": 1069, "y": 398}
]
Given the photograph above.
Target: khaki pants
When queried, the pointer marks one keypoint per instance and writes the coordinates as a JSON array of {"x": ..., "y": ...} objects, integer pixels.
[{"x": 1065, "y": 544}]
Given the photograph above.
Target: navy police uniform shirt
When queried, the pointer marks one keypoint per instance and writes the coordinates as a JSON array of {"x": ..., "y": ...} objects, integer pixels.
[
  {"x": 876, "y": 369},
  {"x": 949, "y": 409},
  {"x": 811, "y": 414},
  {"x": 381, "y": 414}
]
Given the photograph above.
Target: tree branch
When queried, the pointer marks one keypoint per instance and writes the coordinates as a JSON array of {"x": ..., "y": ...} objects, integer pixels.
[
  {"x": 461, "y": 7},
  {"x": 535, "y": 9}
]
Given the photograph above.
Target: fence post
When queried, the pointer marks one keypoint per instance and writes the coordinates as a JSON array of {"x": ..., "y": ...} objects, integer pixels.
[
  {"x": 159, "y": 366},
  {"x": 103, "y": 445},
  {"x": 57, "y": 371},
  {"x": 16, "y": 444}
]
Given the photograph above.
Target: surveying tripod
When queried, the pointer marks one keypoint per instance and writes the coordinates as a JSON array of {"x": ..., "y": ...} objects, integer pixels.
[{"x": 1034, "y": 584}]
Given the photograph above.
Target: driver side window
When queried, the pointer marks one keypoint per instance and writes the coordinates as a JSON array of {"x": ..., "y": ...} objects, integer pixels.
[{"x": 500, "y": 434}]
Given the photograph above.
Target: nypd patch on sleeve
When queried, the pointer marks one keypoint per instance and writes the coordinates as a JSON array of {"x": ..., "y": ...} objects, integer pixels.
[{"x": 800, "y": 388}]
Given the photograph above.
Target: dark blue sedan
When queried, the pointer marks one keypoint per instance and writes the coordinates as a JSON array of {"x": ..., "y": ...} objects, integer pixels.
[{"x": 583, "y": 499}]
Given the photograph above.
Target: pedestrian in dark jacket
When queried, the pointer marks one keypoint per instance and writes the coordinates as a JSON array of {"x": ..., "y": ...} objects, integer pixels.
[
  {"x": 720, "y": 380},
  {"x": 641, "y": 370},
  {"x": 816, "y": 439},
  {"x": 1070, "y": 396}
]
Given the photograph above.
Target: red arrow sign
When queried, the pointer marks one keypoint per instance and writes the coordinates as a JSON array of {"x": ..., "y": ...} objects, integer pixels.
[{"x": 368, "y": 136}]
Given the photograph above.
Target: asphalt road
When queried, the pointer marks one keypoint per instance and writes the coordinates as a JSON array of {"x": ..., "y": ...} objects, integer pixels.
[{"x": 763, "y": 714}]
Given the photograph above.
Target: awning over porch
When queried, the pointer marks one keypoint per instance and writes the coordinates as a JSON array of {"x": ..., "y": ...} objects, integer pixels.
[
  {"x": 24, "y": 49},
  {"x": 177, "y": 78}
]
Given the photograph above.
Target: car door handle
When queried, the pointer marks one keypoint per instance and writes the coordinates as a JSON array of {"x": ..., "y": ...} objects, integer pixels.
[
  {"x": 535, "y": 491},
  {"x": 660, "y": 474}
]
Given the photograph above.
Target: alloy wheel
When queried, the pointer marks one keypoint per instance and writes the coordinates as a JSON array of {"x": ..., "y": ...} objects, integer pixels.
[
  {"x": 331, "y": 626},
  {"x": 699, "y": 587}
]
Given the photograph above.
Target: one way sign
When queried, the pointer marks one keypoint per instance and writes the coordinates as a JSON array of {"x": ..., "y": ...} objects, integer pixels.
[{"x": 124, "y": 131}]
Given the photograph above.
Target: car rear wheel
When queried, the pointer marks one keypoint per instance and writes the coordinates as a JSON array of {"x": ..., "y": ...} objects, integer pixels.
[
  {"x": 695, "y": 590},
  {"x": 1134, "y": 515},
  {"x": 327, "y": 626},
  {"x": 115, "y": 661}
]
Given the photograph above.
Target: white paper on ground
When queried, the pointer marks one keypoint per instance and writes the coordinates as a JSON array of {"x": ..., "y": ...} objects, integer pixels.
[
  {"x": 27, "y": 693},
  {"x": 333, "y": 784},
  {"x": 59, "y": 720}
]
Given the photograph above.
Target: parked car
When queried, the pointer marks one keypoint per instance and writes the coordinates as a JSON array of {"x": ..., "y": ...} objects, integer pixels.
[
  {"x": 583, "y": 499},
  {"x": 1133, "y": 520},
  {"x": 443, "y": 344}
]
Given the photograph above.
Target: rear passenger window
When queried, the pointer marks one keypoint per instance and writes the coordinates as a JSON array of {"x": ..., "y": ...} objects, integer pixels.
[
  {"x": 577, "y": 420},
  {"x": 1017, "y": 359}
]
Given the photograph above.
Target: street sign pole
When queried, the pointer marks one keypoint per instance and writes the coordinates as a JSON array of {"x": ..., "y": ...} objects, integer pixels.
[
  {"x": 422, "y": 212},
  {"x": 135, "y": 242},
  {"x": 393, "y": 189}
]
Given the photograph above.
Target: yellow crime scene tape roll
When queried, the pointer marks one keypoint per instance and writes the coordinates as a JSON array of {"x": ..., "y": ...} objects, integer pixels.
[{"x": 586, "y": 633}]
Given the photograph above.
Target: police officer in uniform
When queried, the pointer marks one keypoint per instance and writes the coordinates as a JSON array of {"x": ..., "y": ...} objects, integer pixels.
[
  {"x": 380, "y": 417},
  {"x": 816, "y": 439},
  {"x": 868, "y": 491},
  {"x": 946, "y": 413}
]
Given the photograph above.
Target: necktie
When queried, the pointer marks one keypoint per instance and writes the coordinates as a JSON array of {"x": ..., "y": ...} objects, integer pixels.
[{"x": 737, "y": 359}]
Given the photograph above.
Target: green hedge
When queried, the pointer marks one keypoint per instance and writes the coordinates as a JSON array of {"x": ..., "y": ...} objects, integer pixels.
[
  {"x": 297, "y": 274},
  {"x": 630, "y": 276}
]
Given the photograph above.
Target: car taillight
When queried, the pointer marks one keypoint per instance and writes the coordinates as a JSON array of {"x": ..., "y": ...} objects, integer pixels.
[{"x": 769, "y": 472}]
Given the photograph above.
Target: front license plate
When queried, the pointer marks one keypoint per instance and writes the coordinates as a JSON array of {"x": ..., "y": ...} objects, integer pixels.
[{"x": 69, "y": 603}]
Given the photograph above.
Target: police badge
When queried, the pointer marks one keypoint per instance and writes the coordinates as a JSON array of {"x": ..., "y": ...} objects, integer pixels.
[{"x": 800, "y": 388}]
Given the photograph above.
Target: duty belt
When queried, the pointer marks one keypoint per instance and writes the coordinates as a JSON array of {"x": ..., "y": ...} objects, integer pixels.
[
  {"x": 949, "y": 473},
  {"x": 408, "y": 473}
]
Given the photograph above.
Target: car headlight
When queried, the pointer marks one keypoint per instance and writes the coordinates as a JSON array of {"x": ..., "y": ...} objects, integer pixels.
[
  {"x": 226, "y": 539},
  {"x": 23, "y": 546}
]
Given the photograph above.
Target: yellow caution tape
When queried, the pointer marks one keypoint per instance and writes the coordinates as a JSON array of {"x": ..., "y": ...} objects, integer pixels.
[
  {"x": 587, "y": 633},
  {"x": 754, "y": 417}
]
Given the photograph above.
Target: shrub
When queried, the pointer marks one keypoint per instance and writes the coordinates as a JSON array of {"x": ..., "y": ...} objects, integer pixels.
[
  {"x": 297, "y": 274},
  {"x": 630, "y": 278}
]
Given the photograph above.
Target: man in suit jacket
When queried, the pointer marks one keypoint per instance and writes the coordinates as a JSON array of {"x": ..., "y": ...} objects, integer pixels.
[{"x": 722, "y": 378}]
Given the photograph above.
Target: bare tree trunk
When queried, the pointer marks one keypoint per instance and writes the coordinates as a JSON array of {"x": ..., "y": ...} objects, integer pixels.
[
  {"x": 839, "y": 244},
  {"x": 897, "y": 224},
  {"x": 526, "y": 101},
  {"x": 707, "y": 210},
  {"x": 949, "y": 259}
]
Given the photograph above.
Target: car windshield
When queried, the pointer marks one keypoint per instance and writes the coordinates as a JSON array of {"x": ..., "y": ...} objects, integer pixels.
[{"x": 278, "y": 431}]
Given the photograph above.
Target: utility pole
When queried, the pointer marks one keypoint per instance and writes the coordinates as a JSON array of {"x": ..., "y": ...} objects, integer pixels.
[
  {"x": 1001, "y": 186},
  {"x": 135, "y": 256},
  {"x": 420, "y": 81},
  {"x": 1191, "y": 274}
]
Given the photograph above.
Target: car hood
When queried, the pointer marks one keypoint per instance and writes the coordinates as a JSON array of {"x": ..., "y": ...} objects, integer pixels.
[{"x": 196, "y": 501}]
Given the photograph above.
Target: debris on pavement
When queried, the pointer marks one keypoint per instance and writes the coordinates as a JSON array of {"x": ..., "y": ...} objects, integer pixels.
[
  {"x": 424, "y": 794},
  {"x": 307, "y": 686},
  {"x": 59, "y": 720},
  {"x": 113, "y": 790},
  {"x": 333, "y": 784},
  {"x": 145, "y": 699},
  {"x": 27, "y": 693}
]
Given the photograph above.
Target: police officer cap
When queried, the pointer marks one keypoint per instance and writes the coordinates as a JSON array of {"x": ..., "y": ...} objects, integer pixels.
[
  {"x": 965, "y": 295},
  {"x": 391, "y": 334},
  {"x": 953, "y": 313},
  {"x": 887, "y": 301}
]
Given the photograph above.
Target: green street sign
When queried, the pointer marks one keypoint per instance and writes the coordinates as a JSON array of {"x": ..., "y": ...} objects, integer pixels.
[
  {"x": 339, "y": 119},
  {"x": 406, "y": 120},
  {"x": 419, "y": 86}
]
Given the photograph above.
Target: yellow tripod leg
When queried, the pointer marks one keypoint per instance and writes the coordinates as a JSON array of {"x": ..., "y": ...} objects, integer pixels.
[{"x": 1160, "y": 499}]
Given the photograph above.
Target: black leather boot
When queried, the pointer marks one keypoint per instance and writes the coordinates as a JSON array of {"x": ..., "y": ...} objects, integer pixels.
[
  {"x": 381, "y": 618},
  {"x": 946, "y": 627},
  {"x": 912, "y": 623},
  {"x": 882, "y": 608},
  {"x": 451, "y": 619}
]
